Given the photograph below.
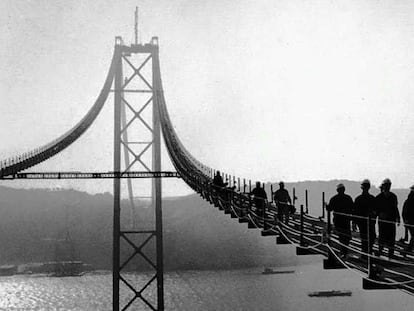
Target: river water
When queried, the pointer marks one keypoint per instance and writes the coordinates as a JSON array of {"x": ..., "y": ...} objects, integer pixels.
[{"x": 205, "y": 290}]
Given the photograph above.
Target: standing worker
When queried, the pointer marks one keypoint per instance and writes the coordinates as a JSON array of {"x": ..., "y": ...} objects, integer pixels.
[
  {"x": 220, "y": 188},
  {"x": 388, "y": 217},
  {"x": 408, "y": 217},
  {"x": 283, "y": 202},
  {"x": 364, "y": 208},
  {"x": 259, "y": 199},
  {"x": 341, "y": 204},
  {"x": 218, "y": 180}
]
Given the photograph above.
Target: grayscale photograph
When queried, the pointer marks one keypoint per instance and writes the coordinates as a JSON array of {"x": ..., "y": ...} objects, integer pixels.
[{"x": 211, "y": 155}]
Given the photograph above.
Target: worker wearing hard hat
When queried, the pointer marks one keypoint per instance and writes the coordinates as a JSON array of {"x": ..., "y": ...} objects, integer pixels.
[
  {"x": 259, "y": 199},
  {"x": 364, "y": 208},
  {"x": 408, "y": 217},
  {"x": 342, "y": 205},
  {"x": 283, "y": 202},
  {"x": 388, "y": 216}
]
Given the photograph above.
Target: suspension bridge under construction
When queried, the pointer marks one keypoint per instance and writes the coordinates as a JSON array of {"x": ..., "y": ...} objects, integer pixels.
[{"x": 310, "y": 234}]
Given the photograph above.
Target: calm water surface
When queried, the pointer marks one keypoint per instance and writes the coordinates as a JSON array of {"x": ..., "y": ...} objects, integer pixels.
[{"x": 204, "y": 290}]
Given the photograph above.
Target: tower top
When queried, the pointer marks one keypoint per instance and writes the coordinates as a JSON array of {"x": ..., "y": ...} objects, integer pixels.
[{"x": 136, "y": 25}]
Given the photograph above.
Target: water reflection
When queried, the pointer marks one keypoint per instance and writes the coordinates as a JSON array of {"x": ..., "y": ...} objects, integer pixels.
[{"x": 202, "y": 290}]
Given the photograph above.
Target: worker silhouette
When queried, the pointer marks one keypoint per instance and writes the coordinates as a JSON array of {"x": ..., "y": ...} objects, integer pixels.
[
  {"x": 259, "y": 199},
  {"x": 341, "y": 205},
  {"x": 388, "y": 216},
  {"x": 283, "y": 202},
  {"x": 218, "y": 180},
  {"x": 220, "y": 188},
  {"x": 408, "y": 217},
  {"x": 364, "y": 208}
]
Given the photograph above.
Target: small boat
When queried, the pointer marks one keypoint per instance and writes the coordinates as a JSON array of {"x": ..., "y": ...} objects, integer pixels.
[
  {"x": 271, "y": 271},
  {"x": 330, "y": 293},
  {"x": 67, "y": 268}
]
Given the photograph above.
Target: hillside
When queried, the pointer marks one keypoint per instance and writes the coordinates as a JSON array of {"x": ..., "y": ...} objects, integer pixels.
[{"x": 34, "y": 224}]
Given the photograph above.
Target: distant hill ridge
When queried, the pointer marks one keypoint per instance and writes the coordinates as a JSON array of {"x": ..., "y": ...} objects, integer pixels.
[{"x": 196, "y": 235}]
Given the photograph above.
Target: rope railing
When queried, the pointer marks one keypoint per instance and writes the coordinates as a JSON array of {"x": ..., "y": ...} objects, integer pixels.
[
  {"x": 356, "y": 250},
  {"x": 388, "y": 283},
  {"x": 353, "y": 216},
  {"x": 297, "y": 231},
  {"x": 314, "y": 247}
]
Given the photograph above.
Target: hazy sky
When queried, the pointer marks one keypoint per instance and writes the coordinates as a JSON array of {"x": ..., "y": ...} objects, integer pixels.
[{"x": 269, "y": 90}]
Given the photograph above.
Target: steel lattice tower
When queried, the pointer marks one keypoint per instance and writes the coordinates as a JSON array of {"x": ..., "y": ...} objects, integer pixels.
[{"x": 136, "y": 59}]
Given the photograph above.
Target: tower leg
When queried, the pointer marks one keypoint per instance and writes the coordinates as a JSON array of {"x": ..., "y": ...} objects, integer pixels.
[
  {"x": 156, "y": 167},
  {"x": 117, "y": 187}
]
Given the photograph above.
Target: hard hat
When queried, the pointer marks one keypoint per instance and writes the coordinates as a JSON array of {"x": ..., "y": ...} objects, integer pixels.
[
  {"x": 386, "y": 181},
  {"x": 366, "y": 182},
  {"x": 339, "y": 186},
  {"x": 412, "y": 187}
]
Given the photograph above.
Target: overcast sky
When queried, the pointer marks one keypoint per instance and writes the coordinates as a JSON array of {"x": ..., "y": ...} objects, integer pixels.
[{"x": 268, "y": 90}]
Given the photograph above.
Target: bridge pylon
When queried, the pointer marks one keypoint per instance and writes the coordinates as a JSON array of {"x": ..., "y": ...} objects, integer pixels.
[{"x": 137, "y": 89}]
